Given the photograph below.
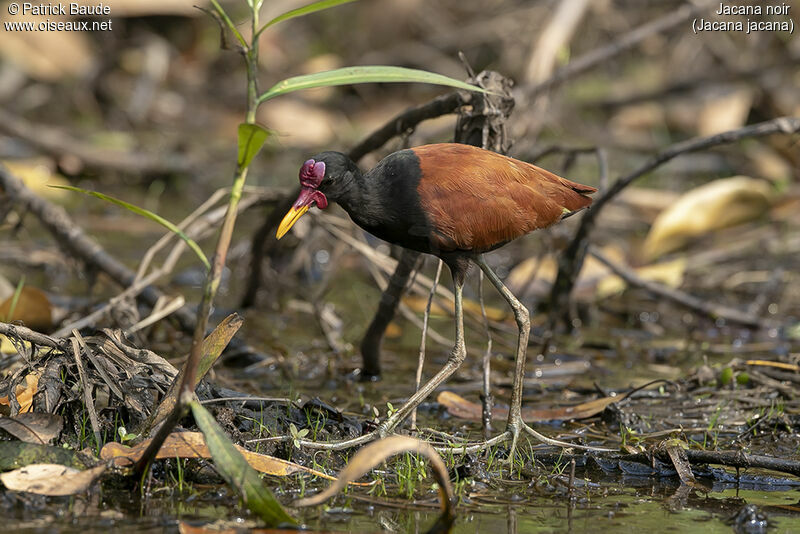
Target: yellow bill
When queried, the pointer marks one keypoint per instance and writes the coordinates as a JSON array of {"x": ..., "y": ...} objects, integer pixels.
[{"x": 289, "y": 219}]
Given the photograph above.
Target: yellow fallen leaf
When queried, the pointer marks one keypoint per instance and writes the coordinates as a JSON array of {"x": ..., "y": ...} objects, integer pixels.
[
  {"x": 713, "y": 206},
  {"x": 193, "y": 445},
  {"x": 24, "y": 393},
  {"x": 37, "y": 174},
  {"x": 6, "y": 347}
]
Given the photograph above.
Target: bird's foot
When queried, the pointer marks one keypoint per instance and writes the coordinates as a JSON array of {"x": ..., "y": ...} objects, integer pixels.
[
  {"x": 385, "y": 429},
  {"x": 559, "y": 443},
  {"x": 513, "y": 429},
  {"x": 340, "y": 445},
  {"x": 516, "y": 426}
]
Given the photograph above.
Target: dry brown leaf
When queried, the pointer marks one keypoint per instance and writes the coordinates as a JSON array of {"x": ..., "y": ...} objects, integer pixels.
[
  {"x": 32, "y": 308},
  {"x": 24, "y": 393},
  {"x": 33, "y": 427},
  {"x": 51, "y": 479},
  {"x": 715, "y": 205},
  {"x": 460, "y": 407},
  {"x": 193, "y": 445}
]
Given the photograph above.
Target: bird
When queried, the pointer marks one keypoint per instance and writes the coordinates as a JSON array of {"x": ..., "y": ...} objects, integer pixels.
[{"x": 456, "y": 202}]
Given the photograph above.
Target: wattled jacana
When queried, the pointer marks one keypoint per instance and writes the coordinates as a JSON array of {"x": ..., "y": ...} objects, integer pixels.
[{"x": 453, "y": 201}]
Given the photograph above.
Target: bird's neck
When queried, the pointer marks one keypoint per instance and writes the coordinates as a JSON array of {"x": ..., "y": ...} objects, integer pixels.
[{"x": 361, "y": 199}]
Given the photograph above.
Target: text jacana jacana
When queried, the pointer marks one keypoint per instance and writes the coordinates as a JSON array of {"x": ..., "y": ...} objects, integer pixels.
[{"x": 453, "y": 201}]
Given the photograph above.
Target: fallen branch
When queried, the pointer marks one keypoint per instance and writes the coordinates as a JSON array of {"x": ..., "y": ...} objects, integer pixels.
[
  {"x": 710, "y": 309},
  {"x": 26, "y": 334},
  {"x": 737, "y": 459}
]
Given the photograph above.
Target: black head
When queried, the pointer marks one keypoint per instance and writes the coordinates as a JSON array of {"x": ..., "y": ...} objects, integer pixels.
[{"x": 327, "y": 175}]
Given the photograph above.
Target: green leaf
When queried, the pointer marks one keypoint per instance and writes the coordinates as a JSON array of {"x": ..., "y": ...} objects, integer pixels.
[
  {"x": 305, "y": 10},
  {"x": 237, "y": 472},
  {"x": 251, "y": 139},
  {"x": 228, "y": 22},
  {"x": 145, "y": 213},
  {"x": 367, "y": 74}
]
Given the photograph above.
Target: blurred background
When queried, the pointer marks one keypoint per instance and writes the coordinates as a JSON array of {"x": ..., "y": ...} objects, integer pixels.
[{"x": 148, "y": 112}]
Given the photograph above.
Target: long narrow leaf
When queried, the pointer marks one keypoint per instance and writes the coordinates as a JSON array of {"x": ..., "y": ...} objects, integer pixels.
[
  {"x": 251, "y": 139},
  {"x": 144, "y": 213},
  {"x": 228, "y": 22},
  {"x": 237, "y": 472},
  {"x": 366, "y": 74},
  {"x": 305, "y": 10}
]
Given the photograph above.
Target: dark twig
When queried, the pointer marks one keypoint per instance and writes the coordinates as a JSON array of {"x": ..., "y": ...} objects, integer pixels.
[
  {"x": 737, "y": 459},
  {"x": 409, "y": 119},
  {"x": 710, "y": 309},
  {"x": 58, "y": 143},
  {"x": 26, "y": 334},
  {"x": 571, "y": 260}
]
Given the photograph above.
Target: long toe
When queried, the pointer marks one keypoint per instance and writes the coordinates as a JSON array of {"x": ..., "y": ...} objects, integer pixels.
[{"x": 513, "y": 428}]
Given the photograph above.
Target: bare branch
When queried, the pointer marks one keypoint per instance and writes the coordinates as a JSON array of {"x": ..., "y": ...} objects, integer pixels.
[{"x": 571, "y": 259}]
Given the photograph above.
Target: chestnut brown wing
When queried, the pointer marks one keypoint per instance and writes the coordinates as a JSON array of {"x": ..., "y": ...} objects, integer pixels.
[{"x": 477, "y": 200}]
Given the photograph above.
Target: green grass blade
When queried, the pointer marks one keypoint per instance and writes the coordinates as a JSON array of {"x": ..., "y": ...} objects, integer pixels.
[
  {"x": 144, "y": 213},
  {"x": 366, "y": 74},
  {"x": 237, "y": 472},
  {"x": 251, "y": 139},
  {"x": 14, "y": 300},
  {"x": 305, "y": 10}
]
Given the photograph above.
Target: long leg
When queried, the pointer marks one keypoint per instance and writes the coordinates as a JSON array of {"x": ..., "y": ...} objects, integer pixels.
[
  {"x": 486, "y": 395},
  {"x": 522, "y": 316},
  {"x": 455, "y": 360}
]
